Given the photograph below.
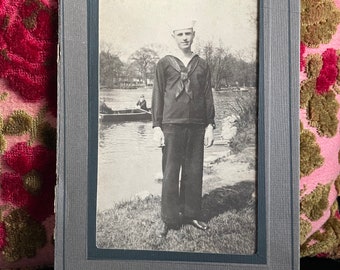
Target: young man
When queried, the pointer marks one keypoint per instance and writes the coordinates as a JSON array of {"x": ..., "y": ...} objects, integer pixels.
[
  {"x": 141, "y": 103},
  {"x": 183, "y": 122}
]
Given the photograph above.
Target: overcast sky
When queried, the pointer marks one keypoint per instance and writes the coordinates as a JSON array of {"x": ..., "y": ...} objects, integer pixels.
[{"x": 128, "y": 25}]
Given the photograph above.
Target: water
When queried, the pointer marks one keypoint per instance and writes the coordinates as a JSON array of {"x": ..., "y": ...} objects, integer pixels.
[{"x": 128, "y": 159}]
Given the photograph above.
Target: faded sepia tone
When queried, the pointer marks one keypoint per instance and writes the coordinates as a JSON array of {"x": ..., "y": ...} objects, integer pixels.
[{"x": 134, "y": 35}]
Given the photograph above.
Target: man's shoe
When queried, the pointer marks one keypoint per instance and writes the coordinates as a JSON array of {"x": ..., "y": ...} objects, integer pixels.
[
  {"x": 199, "y": 224},
  {"x": 163, "y": 233}
]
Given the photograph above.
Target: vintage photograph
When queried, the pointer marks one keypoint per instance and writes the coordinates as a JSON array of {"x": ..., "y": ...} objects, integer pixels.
[{"x": 177, "y": 126}]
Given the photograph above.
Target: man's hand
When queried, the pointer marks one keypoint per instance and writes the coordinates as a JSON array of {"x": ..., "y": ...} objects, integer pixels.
[
  {"x": 158, "y": 136},
  {"x": 209, "y": 136}
]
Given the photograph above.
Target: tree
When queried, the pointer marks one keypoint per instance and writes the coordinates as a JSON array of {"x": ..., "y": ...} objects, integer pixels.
[
  {"x": 144, "y": 60},
  {"x": 208, "y": 54},
  {"x": 229, "y": 69},
  {"x": 110, "y": 69},
  {"x": 219, "y": 67},
  {"x": 214, "y": 57}
]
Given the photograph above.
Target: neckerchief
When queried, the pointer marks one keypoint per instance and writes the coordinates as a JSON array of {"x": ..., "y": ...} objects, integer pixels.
[{"x": 184, "y": 73}]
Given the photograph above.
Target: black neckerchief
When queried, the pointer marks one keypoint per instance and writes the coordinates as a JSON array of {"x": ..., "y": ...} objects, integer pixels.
[{"x": 184, "y": 74}]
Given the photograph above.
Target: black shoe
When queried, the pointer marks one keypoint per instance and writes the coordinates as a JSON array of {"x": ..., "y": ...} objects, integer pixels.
[
  {"x": 199, "y": 224},
  {"x": 164, "y": 231}
]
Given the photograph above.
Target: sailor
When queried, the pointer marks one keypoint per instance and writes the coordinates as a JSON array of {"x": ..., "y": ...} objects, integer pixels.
[{"x": 183, "y": 123}]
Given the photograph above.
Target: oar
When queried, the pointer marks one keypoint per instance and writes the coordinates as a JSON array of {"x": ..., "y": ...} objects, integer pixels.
[{"x": 144, "y": 110}]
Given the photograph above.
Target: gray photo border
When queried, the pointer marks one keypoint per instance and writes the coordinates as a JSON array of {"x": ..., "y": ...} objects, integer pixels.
[{"x": 278, "y": 188}]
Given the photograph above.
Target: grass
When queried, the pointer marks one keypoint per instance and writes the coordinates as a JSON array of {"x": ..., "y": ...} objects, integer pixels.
[
  {"x": 245, "y": 111},
  {"x": 228, "y": 210}
]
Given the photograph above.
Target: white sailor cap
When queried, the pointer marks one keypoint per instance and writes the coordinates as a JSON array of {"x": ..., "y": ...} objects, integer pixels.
[{"x": 182, "y": 23}]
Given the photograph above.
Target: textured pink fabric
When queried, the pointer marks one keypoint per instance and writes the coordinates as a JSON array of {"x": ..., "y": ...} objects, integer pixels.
[
  {"x": 45, "y": 255},
  {"x": 24, "y": 98},
  {"x": 28, "y": 39},
  {"x": 330, "y": 147}
]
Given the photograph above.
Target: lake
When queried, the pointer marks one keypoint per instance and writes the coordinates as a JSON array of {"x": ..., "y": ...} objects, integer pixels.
[{"x": 128, "y": 160}]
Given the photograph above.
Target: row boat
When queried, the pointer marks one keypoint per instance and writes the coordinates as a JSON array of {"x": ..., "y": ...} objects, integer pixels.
[{"x": 125, "y": 115}]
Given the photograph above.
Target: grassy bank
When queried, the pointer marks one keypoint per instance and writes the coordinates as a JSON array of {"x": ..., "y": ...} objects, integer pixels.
[
  {"x": 228, "y": 204},
  {"x": 228, "y": 210}
]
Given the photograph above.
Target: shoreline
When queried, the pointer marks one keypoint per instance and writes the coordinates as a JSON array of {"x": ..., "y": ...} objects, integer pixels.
[
  {"x": 215, "y": 169},
  {"x": 228, "y": 208}
]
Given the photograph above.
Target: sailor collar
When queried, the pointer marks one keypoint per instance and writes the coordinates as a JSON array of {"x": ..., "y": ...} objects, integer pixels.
[{"x": 184, "y": 73}]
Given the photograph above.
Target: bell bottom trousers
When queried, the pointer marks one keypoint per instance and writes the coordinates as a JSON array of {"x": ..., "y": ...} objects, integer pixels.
[{"x": 182, "y": 164}]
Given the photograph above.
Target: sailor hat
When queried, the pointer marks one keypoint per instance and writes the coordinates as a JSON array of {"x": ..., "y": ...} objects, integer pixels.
[{"x": 182, "y": 23}]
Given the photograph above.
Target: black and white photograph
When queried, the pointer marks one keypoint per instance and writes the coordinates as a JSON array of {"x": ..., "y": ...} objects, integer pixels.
[{"x": 177, "y": 126}]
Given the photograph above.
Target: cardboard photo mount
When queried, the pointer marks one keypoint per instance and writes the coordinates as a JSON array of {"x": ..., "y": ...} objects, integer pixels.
[{"x": 278, "y": 150}]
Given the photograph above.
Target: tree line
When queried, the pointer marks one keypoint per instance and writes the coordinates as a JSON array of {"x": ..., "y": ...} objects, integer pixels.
[{"x": 227, "y": 69}]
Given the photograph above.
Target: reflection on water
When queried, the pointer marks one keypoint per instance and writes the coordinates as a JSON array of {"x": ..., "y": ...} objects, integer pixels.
[{"x": 128, "y": 160}]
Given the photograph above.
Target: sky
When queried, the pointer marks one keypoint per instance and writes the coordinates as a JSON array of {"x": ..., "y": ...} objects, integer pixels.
[{"x": 128, "y": 25}]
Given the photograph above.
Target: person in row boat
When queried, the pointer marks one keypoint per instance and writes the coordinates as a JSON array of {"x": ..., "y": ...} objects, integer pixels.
[
  {"x": 103, "y": 108},
  {"x": 141, "y": 103}
]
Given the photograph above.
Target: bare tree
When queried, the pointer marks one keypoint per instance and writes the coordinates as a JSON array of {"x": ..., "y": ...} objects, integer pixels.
[
  {"x": 110, "y": 69},
  {"x": 144, "y": 60},
  {"x": 219, "y": 67},
  {"x": 105, "y": 47},
  {"x": 208, "y": 54},
  {"x": 215, "y": 59}
]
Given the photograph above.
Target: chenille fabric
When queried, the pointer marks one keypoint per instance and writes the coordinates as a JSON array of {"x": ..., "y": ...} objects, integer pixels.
[
  {"x": 319, "y": 128},
  {"x": 28, "y": 109},
  {"x": 28, "y": 40}
]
